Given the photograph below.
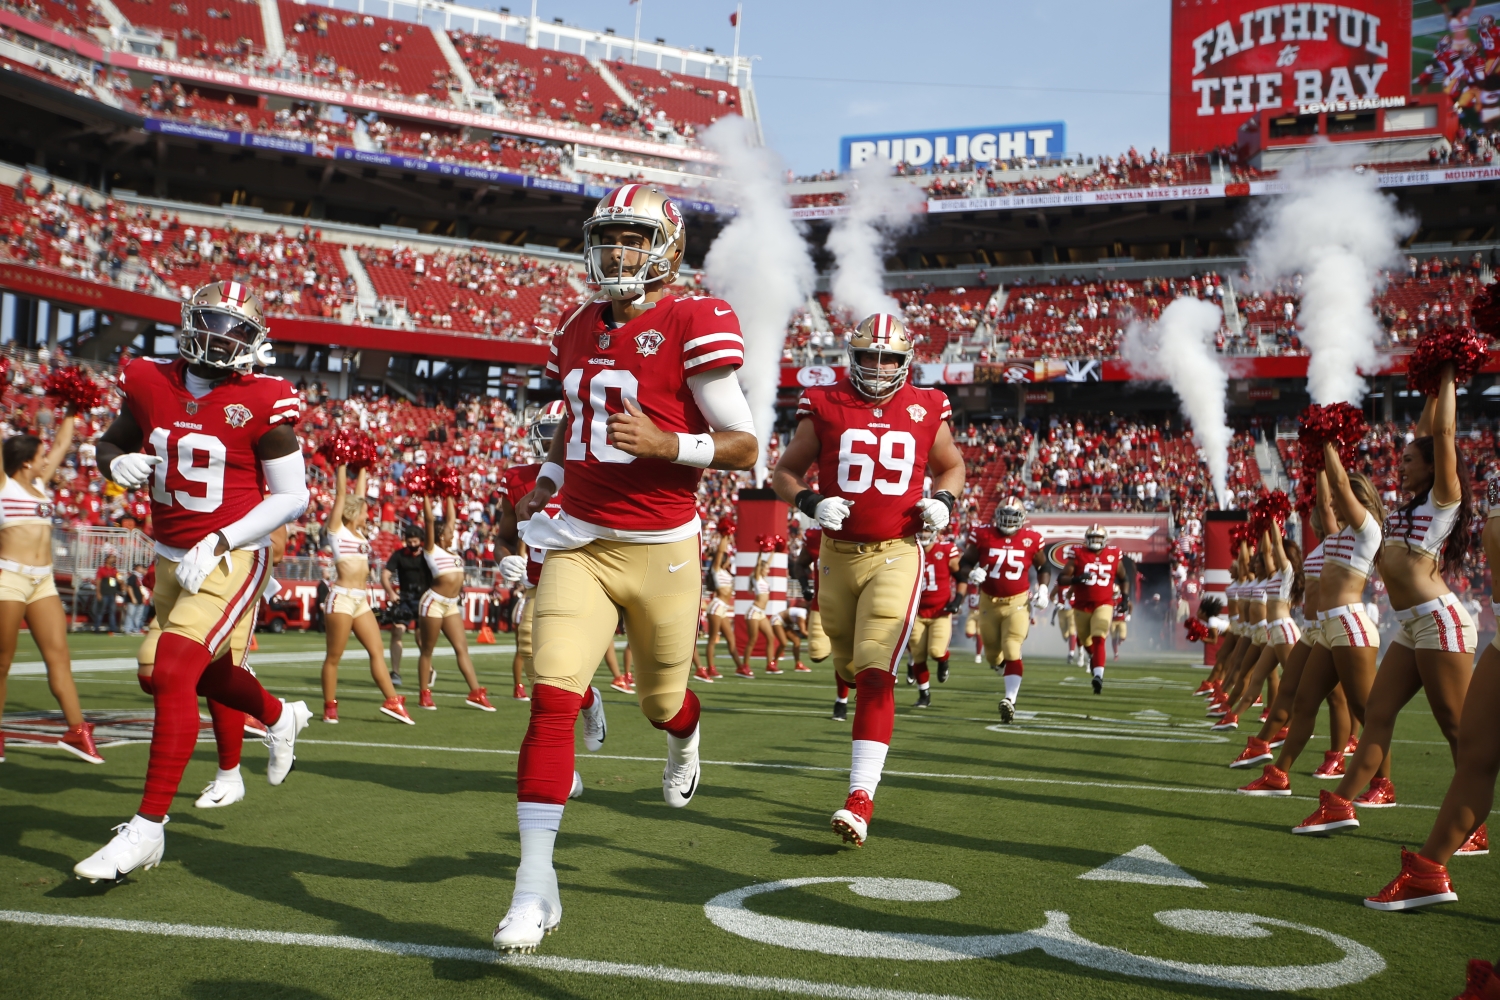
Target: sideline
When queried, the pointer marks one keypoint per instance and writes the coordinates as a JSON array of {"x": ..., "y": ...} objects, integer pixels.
[{"x": 545, "y": 963}]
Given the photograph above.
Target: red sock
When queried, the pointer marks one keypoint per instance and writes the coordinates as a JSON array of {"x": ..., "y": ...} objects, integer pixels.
[
  {"x": 544, "y": 771},
  {"x": 1072, "y": 643},
  {"x": 147, "y": 684},
  {"x": 875, "y": 708},
  {"x": 180, "y": 662},
  {"x": 237, "y": 688},
  {"x": 1013, "y": 668},
  {"x": 923, "y": 674},
  {"x": 843, "y": 689},
  {"x": 588, "y": 698},
  {"x": 229, "y": 734},
  {"x": 685, "y": 721},
  {"x": 1096, "y": 651}
]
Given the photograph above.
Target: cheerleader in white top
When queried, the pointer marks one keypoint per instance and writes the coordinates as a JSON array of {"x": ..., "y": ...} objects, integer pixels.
[
  {"x": 1283, "y": 588},
  {"x": 1234, "y": 641},
  {"x": 27, "y": 590},
  {"x": 758, "y": 622},
  {"x": 1434, "y": 649},
  {"x": 441, "y": 609},
  {"x": 720, "y": 611},
  {"x": 348, "y": 606}
]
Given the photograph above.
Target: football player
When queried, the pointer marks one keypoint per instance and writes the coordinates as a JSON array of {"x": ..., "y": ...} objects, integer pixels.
[
  {"x": 226, "y": 471},
  {"x": 1093, "y": 572},
  {"x": 999, "y": 562},
  {"x": 875, "y": 437},
  {"x": 652, "y": 401},
  {"x": 933, "y": 629},
  {"x": 1117, "y": 627}
]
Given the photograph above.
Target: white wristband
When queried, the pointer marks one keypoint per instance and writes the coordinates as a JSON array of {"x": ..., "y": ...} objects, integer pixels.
[
  {"x": 554, "y": 472},
  {"x": 696, "y": 450}
]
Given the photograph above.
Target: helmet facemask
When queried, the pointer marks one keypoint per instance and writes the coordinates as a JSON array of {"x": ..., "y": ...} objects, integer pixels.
[
  {"x": 1095, "y": 538},
  {"x": 870, "y": 376},
  {"x": 219, "y": 338},
  {"x": 1009, "y": 519},
  {"x": 543, "y": 427}
]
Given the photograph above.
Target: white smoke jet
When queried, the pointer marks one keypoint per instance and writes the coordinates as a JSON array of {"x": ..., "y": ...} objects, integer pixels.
[
  {"x": 880, "y": 206},
  {"x": 1337, "y": 230},
  {"x": 1179, "y": 348},
  {"x": 759, "y": 264}
]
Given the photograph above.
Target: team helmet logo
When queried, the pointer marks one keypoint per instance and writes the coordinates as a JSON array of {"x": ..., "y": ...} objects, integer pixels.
[
  {"x": 237, "y": 415},
  {"x": 649, "y": 342},
  {"x": 916, "y": 411},
  {"x": 669, "y": 209}
]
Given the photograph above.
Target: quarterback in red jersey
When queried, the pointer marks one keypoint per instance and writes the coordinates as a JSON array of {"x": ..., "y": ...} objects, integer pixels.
[
  {"x": 875, "y": 438},
  {"x": 1093, "y": 571},
  {"x": 933, "y": 629},
  {"x": 652, "y": 401},
  {"x": 999, "y": 561},
  {"x": 226, "y": 470}
]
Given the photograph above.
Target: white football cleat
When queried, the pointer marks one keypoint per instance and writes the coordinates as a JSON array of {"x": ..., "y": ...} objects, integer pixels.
[
  {"x": 222, "y": 791},
  {"x": 530, "y": 918},
  {"x": 594, "y": 727},
  {"x": 679, "y": 779},
  {"x": 136, "y": 844},
  {"x": 577, "y": 792},
  {"x": 281, "y": 740}
]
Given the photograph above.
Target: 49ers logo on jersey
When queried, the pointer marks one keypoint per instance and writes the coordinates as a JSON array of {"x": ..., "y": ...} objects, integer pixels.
[
  {"x": 237, "y": 415},
  {"x": 648, "y": 342}
]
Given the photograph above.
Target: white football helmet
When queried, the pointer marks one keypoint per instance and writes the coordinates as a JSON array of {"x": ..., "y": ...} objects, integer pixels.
[
  {"x": 544, "y": 425},
  {"x": 621, "y": 272},
  {"x": 1095, "y": 537},
  {"x": 1010, "y": 517},
  {"x": 878, "y": 337},
  {"x": 223, "y": 326}
]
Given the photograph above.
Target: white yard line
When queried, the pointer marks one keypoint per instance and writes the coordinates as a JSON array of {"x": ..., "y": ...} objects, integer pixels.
[
  {"x": 544, "y": 963},
  {"x": 36, "y": 668}
]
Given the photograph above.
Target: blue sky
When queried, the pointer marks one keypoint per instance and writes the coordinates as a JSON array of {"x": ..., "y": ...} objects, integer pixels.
[{"x": 1099, "y": 65}]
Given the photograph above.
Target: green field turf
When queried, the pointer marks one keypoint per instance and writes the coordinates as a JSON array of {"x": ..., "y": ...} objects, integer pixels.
[{"x": 406, "y": 835}]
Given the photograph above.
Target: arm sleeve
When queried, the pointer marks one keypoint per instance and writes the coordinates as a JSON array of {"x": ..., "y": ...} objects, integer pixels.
[
  {"x": 717, "y": 393},
  {"x": 287, "y": 478}
]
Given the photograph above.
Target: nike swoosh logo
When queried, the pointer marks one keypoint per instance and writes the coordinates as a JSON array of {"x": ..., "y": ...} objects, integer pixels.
[
  {"x": 722, "y": 312},
  {"x": 673, "y": 569},
  {"x": 891, "y": 560}
]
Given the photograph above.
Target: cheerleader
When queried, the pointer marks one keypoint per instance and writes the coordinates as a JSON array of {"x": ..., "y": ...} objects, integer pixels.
[
  {"x": 1348, "y": 558},
  {"x": 347, "y": 608},
  {"x": 1283, "y": 588},
  {"x": 1235, "y": 641},
  {"x": 720, "y": 613},
  {"x": 27, "y": 590},
  {"x": 1434, "y": 649},
  {"x": 758, "y": 622},
  {"x": 441, "y": 610}
]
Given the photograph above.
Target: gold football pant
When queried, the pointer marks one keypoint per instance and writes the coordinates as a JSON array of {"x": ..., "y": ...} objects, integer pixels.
[
  {"x": 1093, "y": 624},
  {"x": 1004, "y": 623},
  {"x": 223, "y": 611},
  {"x": 578, "y": 604},
  {"x": 867, "y": 594},
  {"x": 523, "y": 635},
  {"x": 930, "y": 638},
  {"x": 818, "y": 646}
]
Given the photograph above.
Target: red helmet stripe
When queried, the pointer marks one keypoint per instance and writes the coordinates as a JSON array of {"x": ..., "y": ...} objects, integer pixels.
[{"x": 624, "y": 196}]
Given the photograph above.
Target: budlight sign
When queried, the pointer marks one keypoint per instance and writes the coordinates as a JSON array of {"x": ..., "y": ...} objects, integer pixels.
[{"x": 929, "y": 148}]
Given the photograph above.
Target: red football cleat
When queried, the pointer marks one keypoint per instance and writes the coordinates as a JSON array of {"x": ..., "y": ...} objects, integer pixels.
[
  {"x": 701, "y": 674},
  {"x": 479, "y": 698},
  {"x": 1279, "y": 738},
  {"x": 1351, "y": 746},
  {"x": 1230, "y": 721},
  {"x": 1380, "y": 795},
  {"x": 331, "y": 712},
  {"x": 620, "y": 684},
  {"x": 1218, "y": 709},
  {"x": 520, "y": 693},
  {"x": 1203, "y": 689},
  {"x": 425, "y": 700},
  {"x": 1479, "y": 982},
  {"x": 1265, "y": 714},
  {"x": 713, "y": 672},
  {"x": 1258, "y": 702},
  {"x": 1333, "y": 813},
  {"x": 79, "y": 741},
  {"x": 1421, "y": 883},
  {"x": 396, "y": 709},
  {"x": 774, "y": 669},
  {"x": 802, "y": 668},
  {"x": 630, "y": 681},
  {"x": 1477, "y": 844},
  {"x": 1256, "y": 750},
  {"x": 1272, "y": 782},
  {"x": 744, "y": 671},
  {"x": 254, "y": 727},
  {"x": 853, "y": 821},
  {"x": 1332, "y": 766}
]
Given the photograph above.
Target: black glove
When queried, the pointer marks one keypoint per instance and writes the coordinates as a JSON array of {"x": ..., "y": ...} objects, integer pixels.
[{"x": 954, "y": 603}]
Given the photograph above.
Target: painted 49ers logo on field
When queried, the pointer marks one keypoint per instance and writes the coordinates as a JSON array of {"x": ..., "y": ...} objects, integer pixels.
[{"x": 237, "y": 415}]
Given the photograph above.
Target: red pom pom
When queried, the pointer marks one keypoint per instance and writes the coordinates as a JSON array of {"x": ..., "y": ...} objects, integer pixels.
[
  {"x": 73, "y": 387},
  {"x": 1197, "y": 631},
  {"x": 1460, "y": 347},
  {"x": 1339, "y": 423},
  {"x": 1484, "y": 310},
  {"x": 419, "y": 481},
  {"x": 726, "y": 527},
  {"x": 4, "y": 373},
  {"x": 449, "y": 481},
  {"x": 1271, "y": 507}
]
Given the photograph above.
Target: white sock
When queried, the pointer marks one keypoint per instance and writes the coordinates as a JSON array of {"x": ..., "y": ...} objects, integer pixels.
[
  {"x": 840, "y": 701},
  {"x": 677, "y": 749},
  {"x": 1099, "y": 672},
  {"x": 150, "y": 828},
  {"x": 539, "y": 823},
  {"x": 924, "y": 685},
  {"x": 233, "y": 774},
  {"x": 1012, "y": 687},
  {"x": 868, "y": 760}
]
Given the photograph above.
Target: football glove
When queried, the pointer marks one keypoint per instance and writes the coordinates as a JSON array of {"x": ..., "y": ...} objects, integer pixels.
[
  {"x": 934, "y": 513},
  {"x": 512, "y": 569},
  {"x": 199, "y": 562},
  {"x": 833, "y": 512},
  {"x": 977, "y": 576},
  {"x": 133, "y": 470},
  {"x": 954, "y": 603}
]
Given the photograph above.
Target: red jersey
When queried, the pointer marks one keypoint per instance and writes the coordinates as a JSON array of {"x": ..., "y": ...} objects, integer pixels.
[
  {"x": 1489, "y": 40},
  {"x": 518, "y": 481},
  {"x": 210, "y": 476},
  {"x": 1006, "y": 560},
  {"x": 937, "y": 580},
  {"x": 647, "y": 361},
  {"x": 814, "y": 542},
  {"x": 1094, "y": 576},
  {"x": 874, "y": 454}
]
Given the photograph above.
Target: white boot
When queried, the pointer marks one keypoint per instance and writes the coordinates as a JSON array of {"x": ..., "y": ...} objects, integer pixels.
[
  {"x": 281, "y": 740},
  {"x": 227, "y": 788},
  {"x": 679, "y": 780},
  {"x": 137, "y": 843}
]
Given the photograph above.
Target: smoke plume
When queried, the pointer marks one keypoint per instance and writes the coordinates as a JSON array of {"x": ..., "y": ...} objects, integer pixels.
[
  {"x": 759, "y": 264},
  {"x": 1337, "y": 230},
  {"x": 1179, "y": 348},
  {"x": 880, "y": 206}
]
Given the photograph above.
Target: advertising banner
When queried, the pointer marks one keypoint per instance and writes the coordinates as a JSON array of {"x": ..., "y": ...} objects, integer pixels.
[
  {"x": 984, "y": 143},
  {"x": 1234, "y": 58},
  {"x": 1453, "y": 51}
]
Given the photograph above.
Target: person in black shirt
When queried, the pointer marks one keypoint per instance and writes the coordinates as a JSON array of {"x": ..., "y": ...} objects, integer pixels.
[{"x": 408, "y": 567}]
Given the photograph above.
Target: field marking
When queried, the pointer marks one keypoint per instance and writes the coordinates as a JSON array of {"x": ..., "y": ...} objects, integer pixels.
[
  {"x": 728, "y": 912},
  {"x": 1103, "y": 733},
  {"x": 545, "y": 963},
  {"x": 112, "y": 664},
  {"x": 1125, "y": 786},
  {"x": 1146, "y": 866}
]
